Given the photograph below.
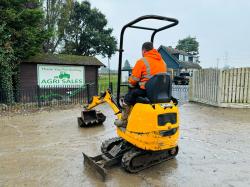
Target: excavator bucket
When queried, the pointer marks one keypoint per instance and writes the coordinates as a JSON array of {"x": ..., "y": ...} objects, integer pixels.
[{"x": 90, "y": 118}]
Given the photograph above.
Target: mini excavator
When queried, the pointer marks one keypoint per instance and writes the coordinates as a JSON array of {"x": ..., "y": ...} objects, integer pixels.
[{"x": 152, "y": 132}]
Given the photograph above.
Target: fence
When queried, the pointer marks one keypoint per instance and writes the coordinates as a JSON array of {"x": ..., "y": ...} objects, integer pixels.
[
  {"x": 224, "y": 88},
  {"x": 181, "y": 93},
  {"x": 35, "y": 97}
]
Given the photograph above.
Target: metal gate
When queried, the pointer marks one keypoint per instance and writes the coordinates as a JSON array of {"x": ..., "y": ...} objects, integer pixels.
[{"x": 180, "y": 92}]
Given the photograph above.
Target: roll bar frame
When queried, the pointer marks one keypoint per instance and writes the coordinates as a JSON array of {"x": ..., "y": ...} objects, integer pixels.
[{"x": 131, "y": 24}]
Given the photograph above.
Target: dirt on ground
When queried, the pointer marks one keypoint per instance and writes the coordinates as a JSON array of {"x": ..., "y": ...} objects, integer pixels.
[{"x": 45, "y": 149}]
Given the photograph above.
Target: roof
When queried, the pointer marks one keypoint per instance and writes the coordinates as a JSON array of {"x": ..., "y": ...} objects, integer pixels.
[
  {"x": 64, "y": 59},
  {"x": 183, "y": 64},
  {"x": 190, "y": 65},
  {"x": 175, "y": 51}
]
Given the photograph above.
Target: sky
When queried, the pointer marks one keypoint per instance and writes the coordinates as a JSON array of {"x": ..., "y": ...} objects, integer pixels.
[{"x": 222, "y": 28}]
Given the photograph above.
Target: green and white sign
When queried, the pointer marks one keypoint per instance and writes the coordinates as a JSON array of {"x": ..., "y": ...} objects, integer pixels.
[{"x": 60, "y": 75}]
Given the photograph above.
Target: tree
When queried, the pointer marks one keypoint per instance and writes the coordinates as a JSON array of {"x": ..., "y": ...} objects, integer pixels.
[
  {"x": 189, "y": 45},
  {"x": 57, "y": 14},
  {"x": 21, "y": 35},
  {"x": 87, "y": 33},
  {"x": 126, "y": 65},
  {"x": 6, "y": 65}
]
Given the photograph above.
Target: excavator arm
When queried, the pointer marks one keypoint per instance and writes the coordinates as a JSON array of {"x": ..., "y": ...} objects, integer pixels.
[
  {"x": 90, "y": 117},
  {"x": 105, "y": 97}
]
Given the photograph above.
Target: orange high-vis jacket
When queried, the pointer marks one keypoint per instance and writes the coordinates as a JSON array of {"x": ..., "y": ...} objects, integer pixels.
[{"x": 151, "y": 64}]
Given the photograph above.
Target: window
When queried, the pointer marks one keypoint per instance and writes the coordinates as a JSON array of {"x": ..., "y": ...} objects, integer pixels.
[
  {"x": 195, "y": 59},
  {"x": 181, "y": 57},
  {"x": 186, "y": 59}
]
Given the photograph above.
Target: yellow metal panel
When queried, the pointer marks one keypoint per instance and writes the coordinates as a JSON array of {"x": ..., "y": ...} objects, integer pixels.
[{"x": 143, "y": 130}]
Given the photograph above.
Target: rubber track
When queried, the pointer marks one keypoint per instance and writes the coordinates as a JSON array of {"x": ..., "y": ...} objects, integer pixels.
[
  {"x": 130, "y": 155},
  {"x": 105, "y": 147}
]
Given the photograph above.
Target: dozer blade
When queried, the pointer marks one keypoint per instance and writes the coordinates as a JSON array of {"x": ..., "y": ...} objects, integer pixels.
[
  {"x": 91, "y": 118},
  {"x": 96, "y": 163}
]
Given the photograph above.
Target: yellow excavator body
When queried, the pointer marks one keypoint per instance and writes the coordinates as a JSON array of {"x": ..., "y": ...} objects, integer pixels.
[{"x": 152, "y": 127}]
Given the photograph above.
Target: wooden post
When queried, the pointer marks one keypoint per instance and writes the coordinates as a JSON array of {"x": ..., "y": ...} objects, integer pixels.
[
  {"x": 242, "y": 77},
  {"x": 234, "y": 85},
  {"x": 219, "y": 87},
  {"x": 246, "y": 85},
  {"x": 190, "y": 88},
  {"x": 230, "y": 86},
  {"x": 237, "y": 87},
  {"x": 199, "y": 85},
  {"x": 216, "y": 83},
  {"x": 226, "y": 82}
]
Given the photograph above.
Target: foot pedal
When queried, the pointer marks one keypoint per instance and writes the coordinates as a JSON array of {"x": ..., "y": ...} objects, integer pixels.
[{"x": 115, "y": 150}]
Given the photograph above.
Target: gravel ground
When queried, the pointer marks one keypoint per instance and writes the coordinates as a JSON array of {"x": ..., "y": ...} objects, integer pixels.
[{"x": 44, "y": 149}]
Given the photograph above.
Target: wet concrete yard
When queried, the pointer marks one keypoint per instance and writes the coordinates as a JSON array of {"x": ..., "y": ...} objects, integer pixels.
[{"x": 45, "y": 149}]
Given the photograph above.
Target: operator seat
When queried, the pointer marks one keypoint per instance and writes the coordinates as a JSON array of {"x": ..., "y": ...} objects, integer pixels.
[{"x": 158, "y": 89}]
